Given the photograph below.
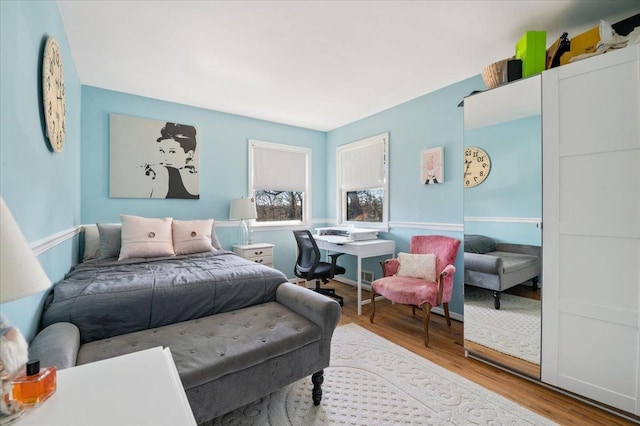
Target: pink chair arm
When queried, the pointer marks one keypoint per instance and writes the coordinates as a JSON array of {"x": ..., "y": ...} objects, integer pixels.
[
  {"x": 389, "y": 267},
  {"x": 448, "y": 270}
]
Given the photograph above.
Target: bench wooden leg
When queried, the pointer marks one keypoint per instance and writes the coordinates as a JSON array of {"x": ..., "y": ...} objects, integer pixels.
[{"x": 317, "y": 380}]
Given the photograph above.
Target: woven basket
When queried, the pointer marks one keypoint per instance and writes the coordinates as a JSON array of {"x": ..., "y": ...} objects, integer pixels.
[{"x": 494, "y": 75}]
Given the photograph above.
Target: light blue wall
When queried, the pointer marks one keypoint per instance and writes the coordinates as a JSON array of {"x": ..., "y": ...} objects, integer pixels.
[
  {"x": 42, "y": 189},
  {"x": 513, "y": 188},
  {"x": 223, "y": 144},
  {"x": 429, "y": 121}
]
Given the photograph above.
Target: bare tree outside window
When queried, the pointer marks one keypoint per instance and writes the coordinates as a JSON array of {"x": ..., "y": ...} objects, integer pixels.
[
  {"x": 365, "y": 206},
  {"x": 274, "y": 206}
]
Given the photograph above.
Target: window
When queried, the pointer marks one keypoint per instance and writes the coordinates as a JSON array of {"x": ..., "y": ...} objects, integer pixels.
[
  {"x": 363, "y": 186},
  {"x": 280, "y": 180},
  {"x": 365, "y": 206}
]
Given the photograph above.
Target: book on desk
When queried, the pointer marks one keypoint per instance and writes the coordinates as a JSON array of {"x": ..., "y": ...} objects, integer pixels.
[{"x": 345, "y": 234}]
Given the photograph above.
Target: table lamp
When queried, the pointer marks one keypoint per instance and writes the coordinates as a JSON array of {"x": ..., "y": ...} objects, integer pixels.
[
  {"x": 243, "y": 209},
  {"x": 20, "y": 275}
]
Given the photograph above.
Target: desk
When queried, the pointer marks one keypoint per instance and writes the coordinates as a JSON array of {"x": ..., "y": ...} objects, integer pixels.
[
  {"x": 141, "y": 388},
  {"x": 360, "y": 249}
]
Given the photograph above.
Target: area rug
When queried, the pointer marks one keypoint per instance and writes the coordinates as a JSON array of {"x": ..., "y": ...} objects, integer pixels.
[
  {"x": 372, "y": 381},
  {"x": 514, "y": 329}
]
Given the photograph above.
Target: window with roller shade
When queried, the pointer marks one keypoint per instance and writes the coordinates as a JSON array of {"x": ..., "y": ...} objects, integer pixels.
[
  {"x": 280, "y": 179},
  {"x": 363, "y": 185}
]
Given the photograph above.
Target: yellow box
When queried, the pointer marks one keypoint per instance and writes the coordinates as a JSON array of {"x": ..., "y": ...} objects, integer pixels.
[{"x": 582, "y": 43}]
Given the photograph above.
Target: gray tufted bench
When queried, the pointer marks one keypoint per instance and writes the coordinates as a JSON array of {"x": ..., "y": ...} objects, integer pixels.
[{"x": 225, "y": 360}]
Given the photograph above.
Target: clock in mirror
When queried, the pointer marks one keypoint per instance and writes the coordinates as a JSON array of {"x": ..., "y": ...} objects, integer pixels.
[{"x": 477, "y": 166}]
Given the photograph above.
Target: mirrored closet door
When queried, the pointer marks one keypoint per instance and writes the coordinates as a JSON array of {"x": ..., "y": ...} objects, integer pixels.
[{"x": 502, "y": 209}]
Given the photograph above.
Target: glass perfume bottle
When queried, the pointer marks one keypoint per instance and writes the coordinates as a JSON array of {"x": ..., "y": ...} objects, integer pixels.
[{"x": 35, "y": 385}]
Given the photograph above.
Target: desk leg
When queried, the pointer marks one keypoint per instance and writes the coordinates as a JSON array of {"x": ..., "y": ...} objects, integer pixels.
[{"x": 359, "y": 276}]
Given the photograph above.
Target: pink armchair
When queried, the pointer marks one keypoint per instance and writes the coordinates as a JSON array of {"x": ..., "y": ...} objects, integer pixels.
[{"x": 417, "y": 291}]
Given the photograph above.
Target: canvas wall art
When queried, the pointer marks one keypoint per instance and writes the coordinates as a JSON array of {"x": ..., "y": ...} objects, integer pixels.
[
  {"x": 152, "y": 158},
  {"x": 432, "y": 165}
]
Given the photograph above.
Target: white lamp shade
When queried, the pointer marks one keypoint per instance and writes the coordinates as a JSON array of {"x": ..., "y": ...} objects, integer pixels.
[
  {"x": 20, "y": 272},
  {"x": 243, "y": 208}
]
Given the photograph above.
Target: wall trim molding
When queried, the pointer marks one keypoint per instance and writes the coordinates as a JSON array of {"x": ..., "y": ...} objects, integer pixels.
[
  {"x": 535, "y": 220},
  {"x": 312, "y": 222},
  {"x": 50, "y": 242},
  {"x": 455, "y": 227},
  {"x": 47, "y": 243}
]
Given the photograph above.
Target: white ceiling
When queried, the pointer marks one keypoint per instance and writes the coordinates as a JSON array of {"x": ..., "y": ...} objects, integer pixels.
[{"x": 314, "y": 64}]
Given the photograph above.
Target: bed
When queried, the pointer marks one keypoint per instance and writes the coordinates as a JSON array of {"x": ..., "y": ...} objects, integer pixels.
[
  {"x": 107, "y": 297},
  {"x": 109, "y": 294}
]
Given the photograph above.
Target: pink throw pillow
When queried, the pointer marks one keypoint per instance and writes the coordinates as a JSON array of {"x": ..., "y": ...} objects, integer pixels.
[
  {"x": 146, "y": 237},
  {"x": 192, "y": 236}
]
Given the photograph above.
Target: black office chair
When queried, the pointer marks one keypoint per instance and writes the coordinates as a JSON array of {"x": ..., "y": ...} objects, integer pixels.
[{"x": 309, "y": 266}]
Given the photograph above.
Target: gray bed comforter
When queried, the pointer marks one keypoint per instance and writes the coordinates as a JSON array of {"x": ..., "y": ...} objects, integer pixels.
[{"x": 105, "y": 298}]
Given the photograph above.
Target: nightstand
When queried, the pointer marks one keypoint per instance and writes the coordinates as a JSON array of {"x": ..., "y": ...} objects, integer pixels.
[
  {"x": 117, "y": 391},
  {"x": 258, "y": 252}
]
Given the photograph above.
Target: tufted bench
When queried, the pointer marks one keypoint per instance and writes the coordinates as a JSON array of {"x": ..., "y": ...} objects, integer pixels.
[{"x": 225, "y": 360}]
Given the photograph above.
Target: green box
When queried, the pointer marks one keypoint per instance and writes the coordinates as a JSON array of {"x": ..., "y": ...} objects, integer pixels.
[{"x": 532, "y": 49}]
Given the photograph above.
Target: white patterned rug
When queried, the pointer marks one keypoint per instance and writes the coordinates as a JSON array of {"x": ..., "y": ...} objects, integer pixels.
[
  {"x": 514, "y": 329},
  {"x": 372, "y": 381}
]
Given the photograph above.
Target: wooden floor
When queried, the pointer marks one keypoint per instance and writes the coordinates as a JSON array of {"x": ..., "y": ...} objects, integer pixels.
[{"x": 395, "y": 323}]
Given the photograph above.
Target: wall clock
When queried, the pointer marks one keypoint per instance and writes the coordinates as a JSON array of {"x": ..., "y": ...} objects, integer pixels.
[
  {"x": 477, "y": 165},
  {"x": 53, "y": 95}
]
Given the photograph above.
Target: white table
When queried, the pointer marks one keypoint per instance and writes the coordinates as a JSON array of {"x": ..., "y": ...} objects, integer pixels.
[
  {"x": 142, "y": 388},
  {"x": 360, "y": 249}
]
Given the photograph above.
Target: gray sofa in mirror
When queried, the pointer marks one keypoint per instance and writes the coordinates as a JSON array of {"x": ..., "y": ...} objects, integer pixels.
[{"x": 499, "y": 266}]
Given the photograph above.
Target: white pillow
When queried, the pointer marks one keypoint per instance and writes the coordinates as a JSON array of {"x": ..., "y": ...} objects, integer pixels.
[
  {"x": 417, "y": 266},
  {"x": 146, "y": 237},
  {"x": 192, "y": 236}
]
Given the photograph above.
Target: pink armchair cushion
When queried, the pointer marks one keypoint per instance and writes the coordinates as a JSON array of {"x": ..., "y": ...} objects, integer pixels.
[{"x": 407, "y": 290}]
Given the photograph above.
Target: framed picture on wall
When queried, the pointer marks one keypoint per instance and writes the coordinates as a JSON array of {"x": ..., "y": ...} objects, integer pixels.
[
  {"x": 152, "y": 159},
  {"x": 432, "y": 165}
]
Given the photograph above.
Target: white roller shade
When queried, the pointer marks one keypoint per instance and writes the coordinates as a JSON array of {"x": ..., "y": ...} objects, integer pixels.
[
  {"x": 278, "y": 169},
  {"x": 362, "y": 165}
]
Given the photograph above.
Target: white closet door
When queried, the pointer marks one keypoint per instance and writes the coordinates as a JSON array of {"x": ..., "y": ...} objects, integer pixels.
[{"x": 591, "y": 233}]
